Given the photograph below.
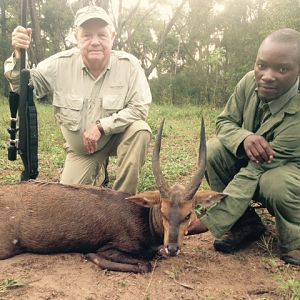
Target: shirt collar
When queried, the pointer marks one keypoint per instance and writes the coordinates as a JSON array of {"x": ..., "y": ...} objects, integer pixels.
[
  {"x": 277, "y": 104},
  {"x": 84, "y": 68}
]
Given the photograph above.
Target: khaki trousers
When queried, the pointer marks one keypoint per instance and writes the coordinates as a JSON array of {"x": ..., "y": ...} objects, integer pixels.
[
  {"x": 130, "y": 147},
  {"x": 277, "y": 189}
]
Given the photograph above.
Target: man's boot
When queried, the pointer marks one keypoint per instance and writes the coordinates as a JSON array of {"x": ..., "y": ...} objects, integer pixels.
[
  {"x": 292, "y": 257},
  {"x": 249, "y": 228}
]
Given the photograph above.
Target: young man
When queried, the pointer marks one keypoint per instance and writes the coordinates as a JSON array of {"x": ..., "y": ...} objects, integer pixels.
[
  {"x": 101, "y": 98},
  {"x": 256, "y": 154}
]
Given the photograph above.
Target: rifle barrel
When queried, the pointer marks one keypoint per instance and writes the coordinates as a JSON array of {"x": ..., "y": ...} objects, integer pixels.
[{"x": 24, "y": 24}]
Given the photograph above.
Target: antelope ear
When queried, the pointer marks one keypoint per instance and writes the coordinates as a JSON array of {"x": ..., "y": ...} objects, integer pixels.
[
  {"x": 208, "y": 198},
  {"x": 146, "y": 199}
]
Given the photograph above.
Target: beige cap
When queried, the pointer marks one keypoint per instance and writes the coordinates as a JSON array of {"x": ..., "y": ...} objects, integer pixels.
[{"x": 91, "y": 12}]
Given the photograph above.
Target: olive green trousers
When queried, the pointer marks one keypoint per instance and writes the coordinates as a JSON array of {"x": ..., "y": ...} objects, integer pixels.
[
  {"x": 277, "y": 189},
  {"x": 130, "y": 147}
]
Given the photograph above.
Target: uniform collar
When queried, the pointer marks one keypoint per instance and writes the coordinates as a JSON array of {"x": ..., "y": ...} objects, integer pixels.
[
  {"x": 85, "y": 69},
  {"x": 277, "y": 104}
]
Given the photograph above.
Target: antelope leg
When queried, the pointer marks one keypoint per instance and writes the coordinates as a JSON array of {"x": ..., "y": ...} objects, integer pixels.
[
  {"x": 104, "y": 263},
  {"x": 120, "y": 256}
]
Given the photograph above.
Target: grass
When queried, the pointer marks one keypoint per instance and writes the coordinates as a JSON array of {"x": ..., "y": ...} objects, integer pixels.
[
  {"x": 291, "y": 288},
  {"x": 9, "y": 284},
  {"x": 179, "y": 145}
]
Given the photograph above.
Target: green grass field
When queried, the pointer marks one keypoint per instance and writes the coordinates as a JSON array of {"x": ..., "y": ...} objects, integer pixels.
[{"x": 179, "y": 145}]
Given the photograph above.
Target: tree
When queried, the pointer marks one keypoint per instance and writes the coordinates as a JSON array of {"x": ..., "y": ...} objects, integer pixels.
[
  {"x": 197, "y": 54},
  {"x": 38, "y": 45}
]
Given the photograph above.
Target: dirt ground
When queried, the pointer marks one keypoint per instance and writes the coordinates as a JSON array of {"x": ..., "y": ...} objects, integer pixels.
[{"x": 197, "y": 273}]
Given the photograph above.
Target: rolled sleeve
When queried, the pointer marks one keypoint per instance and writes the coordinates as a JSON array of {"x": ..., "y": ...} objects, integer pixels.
[
  {"x": 12, "y": 72},
  {"x": 42, "y": 77}
]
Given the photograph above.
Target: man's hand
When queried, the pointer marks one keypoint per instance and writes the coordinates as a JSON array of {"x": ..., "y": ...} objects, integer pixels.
[
  {"x": 90, "y": 138},
  {"x": 258, "y": 149},
  {"x": 21, "y": 38}
]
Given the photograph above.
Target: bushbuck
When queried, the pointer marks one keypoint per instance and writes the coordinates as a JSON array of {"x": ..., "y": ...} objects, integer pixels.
[{"x": 115, "y": 230}]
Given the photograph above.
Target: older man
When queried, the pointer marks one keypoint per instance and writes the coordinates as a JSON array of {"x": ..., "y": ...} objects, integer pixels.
[
  {"x": 256, "y": 154},
  {"x": 101, "y": 98}
]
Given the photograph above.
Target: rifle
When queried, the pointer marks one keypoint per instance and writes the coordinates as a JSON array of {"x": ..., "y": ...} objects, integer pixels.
[{"x": 27, "y": 145}]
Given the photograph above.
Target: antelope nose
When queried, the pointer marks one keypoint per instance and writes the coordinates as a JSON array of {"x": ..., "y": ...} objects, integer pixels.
[{"x": 172, "y": 249}]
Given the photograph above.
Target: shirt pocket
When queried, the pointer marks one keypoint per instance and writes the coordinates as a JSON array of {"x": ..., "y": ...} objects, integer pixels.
[
  {"x": 68, "y": 110},
  {"x": 114, "y": 100}
]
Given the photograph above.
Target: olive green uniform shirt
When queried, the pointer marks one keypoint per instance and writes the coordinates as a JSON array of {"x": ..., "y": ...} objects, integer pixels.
[
  {"x": 281, "y": 129},
  {"x": 239, "y": 118}
]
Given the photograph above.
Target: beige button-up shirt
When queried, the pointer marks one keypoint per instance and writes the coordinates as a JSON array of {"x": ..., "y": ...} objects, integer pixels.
[{"x": 118, "y": 97}]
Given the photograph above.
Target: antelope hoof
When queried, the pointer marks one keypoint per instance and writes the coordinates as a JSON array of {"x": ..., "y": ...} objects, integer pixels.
[
  {"x": 93, "y": 258},
  {"x": 145, "y": 267}
]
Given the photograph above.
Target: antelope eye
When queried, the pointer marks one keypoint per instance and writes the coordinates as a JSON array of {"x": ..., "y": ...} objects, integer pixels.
[{"x": 187, "y": 217}]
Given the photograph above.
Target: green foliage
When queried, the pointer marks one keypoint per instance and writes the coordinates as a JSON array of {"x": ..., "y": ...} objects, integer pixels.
[
  {"x": 57, "y": 29},
  {"x": 9, "y": 284},
  {"x": 279, "y": 14},
  {"x": 291, "y": 288}
]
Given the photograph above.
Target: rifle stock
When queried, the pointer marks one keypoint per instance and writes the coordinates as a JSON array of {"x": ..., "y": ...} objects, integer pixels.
[{"x": 28, "y": 128}]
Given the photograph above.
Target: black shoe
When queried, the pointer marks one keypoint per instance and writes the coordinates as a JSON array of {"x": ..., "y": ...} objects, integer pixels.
[
  {"x": 249, "y": 228},
  {"x": 292, "y": 257}
]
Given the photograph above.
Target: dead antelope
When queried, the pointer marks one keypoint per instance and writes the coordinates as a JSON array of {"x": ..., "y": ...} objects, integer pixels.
[{"x": 117, "y": 232}]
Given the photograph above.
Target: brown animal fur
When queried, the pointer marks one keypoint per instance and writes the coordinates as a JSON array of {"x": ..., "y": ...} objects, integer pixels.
[{"x": 50, "y": 218}]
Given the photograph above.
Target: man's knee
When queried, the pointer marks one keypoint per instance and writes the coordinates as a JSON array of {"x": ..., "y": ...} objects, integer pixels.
[
  {"x": 136, "y": 127},
  {"x": 137, "y": 135},
  {"x": 143, "y": 136},
  {"x": 269, "y": 189},
  {"x": 80, "y": 169},
  {"x": 133, "y": 148},
  {"x": 215, "y": 149},
  {"x": 277, "y": 190},
  {"x": 139, "y": 147}
]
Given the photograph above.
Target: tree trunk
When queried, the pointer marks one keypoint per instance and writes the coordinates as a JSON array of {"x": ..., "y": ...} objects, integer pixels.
[
  {"x": 163, "y": 38},
  {"x": 39, "y": 51}
]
